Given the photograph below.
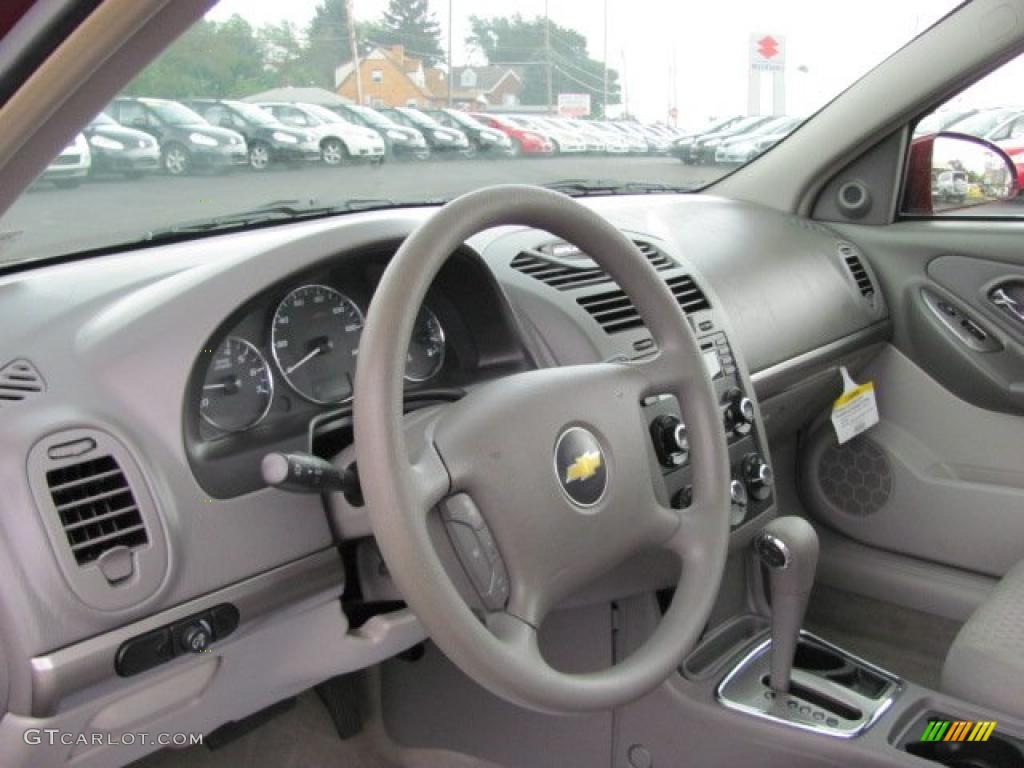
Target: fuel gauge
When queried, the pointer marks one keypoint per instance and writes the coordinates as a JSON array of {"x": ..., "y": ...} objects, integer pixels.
[
  {"x": 426, "y": 348},
  {"x": 238, "y": 387}
]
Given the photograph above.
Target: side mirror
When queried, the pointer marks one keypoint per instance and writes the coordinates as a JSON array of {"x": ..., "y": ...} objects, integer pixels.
[{"x": 948, "y": 172}]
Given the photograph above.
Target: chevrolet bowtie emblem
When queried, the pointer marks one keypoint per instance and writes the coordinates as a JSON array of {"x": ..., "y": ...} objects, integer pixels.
[{"x": 584, "y": 467}]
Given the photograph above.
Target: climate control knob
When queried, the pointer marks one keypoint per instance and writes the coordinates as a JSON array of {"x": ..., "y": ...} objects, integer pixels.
[
  {"x": 758, "y": 475},
  {"x": 739, "y": 412},
  {"x": 671, "y": 442}
]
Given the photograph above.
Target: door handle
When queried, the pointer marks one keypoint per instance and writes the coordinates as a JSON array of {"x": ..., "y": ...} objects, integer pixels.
[{"x": 1009, "y": 297}]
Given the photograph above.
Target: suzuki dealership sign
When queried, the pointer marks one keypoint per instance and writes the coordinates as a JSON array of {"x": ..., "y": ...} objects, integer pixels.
[
  {"x": 574, "y": 104},
  {"x": 767, "y": 57},
  {"x": 767, "y": 53}
]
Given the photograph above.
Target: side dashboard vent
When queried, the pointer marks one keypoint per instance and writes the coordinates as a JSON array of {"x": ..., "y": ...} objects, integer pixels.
[
  {"x": 857, "y": 271},
  {"x": 615, "y": 312},
  {"x": 19, "y": 380},
  {"x": 565, "y": 277},
  {"x": 101, "y": 518},
  {"x": 97, "y": 508}
]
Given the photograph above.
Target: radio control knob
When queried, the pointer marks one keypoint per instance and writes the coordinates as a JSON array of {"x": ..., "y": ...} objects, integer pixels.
[
  {"x": 671, "y": 442},
  {"x": 759, "y": 476},
  {"x": 739, "y": 412}
]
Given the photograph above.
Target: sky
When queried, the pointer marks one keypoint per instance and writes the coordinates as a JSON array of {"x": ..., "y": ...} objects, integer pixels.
[{"x": 705, "y": 44}]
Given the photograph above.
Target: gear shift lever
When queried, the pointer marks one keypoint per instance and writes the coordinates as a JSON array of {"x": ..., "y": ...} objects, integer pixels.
[{"x": 788, "y": 546}]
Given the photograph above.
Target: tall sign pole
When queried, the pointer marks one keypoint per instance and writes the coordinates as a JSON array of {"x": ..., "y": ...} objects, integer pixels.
[
  {"x": 547, "y": 51},
  {"x": 355, "y": 51},
  {"x": 604, "y": 99},
  {"x": 451, "y": 69}
]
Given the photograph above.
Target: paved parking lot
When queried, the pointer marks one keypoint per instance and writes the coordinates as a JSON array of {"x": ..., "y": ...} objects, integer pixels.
[{"x": 108, "y": 210}]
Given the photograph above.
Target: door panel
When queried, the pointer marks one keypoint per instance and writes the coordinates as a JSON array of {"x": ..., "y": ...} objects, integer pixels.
[
  {"x": 938, "y": 479},
  {"x": 941, "y": 478}
]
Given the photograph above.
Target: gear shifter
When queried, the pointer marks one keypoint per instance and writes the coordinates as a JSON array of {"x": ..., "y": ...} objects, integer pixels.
[{"x": 788, "y": 546}]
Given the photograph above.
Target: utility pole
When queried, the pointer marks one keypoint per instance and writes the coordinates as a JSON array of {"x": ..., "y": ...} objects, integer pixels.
[
  {"x": 355, "y": 51},
  {"x": 547, "y": 49},
  {"x": 604, "y": 99},
  {"x": 451, "y": 69}
]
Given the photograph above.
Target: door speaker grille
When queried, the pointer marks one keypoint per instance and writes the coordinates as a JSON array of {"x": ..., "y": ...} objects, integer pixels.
[{"x": 855, "y": 477}]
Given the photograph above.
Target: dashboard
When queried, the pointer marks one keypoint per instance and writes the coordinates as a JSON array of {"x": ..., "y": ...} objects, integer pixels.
[{"x": 171, "y": 372}]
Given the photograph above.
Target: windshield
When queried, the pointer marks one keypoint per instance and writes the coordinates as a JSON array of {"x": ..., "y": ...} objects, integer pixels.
[
  {"x": 254, "y": 114},
  {"x": 172, "y": 113},
  {"x": 982, "y": 123},
  {"x": 593, "y": 98}
]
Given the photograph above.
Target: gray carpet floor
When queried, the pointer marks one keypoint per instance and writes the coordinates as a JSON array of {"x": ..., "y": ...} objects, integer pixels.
[
  {"x": 909, "y": 643},
  {"x": 304, "y": 737}
]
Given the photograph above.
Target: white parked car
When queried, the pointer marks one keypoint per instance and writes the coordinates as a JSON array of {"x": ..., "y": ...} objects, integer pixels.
[
  {"x": 339, "y": 139},
  {"x": 564, "y": 142},
  {"x": 71, "y": 165}
]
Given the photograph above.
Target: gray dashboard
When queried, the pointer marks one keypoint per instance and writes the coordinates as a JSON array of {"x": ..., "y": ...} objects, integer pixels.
[{"x": 115, "y": 339}]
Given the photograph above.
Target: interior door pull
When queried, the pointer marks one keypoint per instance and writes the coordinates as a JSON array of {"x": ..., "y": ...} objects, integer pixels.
[{"x": 1009, "y": 297}]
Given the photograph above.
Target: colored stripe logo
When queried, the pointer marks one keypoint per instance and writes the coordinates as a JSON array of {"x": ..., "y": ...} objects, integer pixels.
[{"x": 958, "y": 730}]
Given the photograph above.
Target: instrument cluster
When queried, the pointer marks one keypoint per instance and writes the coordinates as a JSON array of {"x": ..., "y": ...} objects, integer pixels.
[{"x": 313, "y": 337}]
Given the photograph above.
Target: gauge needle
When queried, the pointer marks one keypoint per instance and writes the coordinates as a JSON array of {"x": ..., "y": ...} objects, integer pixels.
[
  {"x": 215, "y": 386},
  {"x": 309, "y": 356}
]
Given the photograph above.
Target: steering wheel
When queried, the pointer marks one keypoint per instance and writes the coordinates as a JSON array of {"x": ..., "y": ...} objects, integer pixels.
[{"x": 556, "y": 461}]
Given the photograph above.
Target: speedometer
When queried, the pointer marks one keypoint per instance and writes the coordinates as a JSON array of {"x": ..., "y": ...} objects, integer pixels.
[
  {"x": 238, "y": 387},
  {"x": 315, "y": 339}
]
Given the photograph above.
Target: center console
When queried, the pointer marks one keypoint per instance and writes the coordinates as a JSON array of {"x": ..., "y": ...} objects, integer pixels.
[{"x": 752, "y": 483}]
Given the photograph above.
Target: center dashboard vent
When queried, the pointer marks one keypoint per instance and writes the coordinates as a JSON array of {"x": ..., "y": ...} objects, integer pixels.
[
  {"x": 857, "y": 271},
  {"x": 615, "y": 312},
  {"x": 541, "y": 264},
  {"x": 97, "y": 508}
]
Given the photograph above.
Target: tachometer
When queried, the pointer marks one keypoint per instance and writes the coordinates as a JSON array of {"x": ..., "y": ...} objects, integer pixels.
[
  {"x": 238, "y": 387},
  {"x": 426, "y": 348},
  {"x": 315, "y": 339}
]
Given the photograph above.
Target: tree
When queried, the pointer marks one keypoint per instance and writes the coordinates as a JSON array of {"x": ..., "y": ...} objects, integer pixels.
[
  {"x": 211, "y": 59},
  {"x": 517, "y": 41},
  {"x": 288, "y": 61},
  {"x": 327, "y": 41},
  {"x": 411, "y": 24}
]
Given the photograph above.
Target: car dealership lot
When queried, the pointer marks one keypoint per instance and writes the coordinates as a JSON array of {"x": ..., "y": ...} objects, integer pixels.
[{"x": 158, "y": 201}]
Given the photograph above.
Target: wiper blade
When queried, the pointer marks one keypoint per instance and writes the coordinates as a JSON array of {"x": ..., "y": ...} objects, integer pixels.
[
  {"x": 584, "y": 187},
  {"x": 281, "y": 210}
]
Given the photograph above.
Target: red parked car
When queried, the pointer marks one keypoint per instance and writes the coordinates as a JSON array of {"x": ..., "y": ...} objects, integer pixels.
[
  {"x": 524, "y": 141},
  {"x": 1015, "y": 149}
]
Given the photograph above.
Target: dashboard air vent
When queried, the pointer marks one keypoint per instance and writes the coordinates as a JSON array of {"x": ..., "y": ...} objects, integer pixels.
[
  {"x": 97, "y": 507},
  {"x": 857, "y": 271},
  {"x": 565, "y": 277},
  {"x": 614, "y": 310},
  {"x": 19, "y": 380}
]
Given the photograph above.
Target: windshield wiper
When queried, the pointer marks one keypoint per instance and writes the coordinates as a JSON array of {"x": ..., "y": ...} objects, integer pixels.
[
  {"x": 276, "y": 212},
  {"x": 584, "y": 187}
]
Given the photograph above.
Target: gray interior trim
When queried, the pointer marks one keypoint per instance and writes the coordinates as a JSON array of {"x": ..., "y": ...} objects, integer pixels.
[{"x": 71, "y": 670}]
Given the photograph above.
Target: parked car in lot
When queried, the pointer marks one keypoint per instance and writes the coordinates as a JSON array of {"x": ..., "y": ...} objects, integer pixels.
[
  {"x": 592, "y": 142},
  {"x": 442, "y": 141},
  {"x": 487, "y": 140},
  {"x": 71, "y": 166},
  {"x": 401, "y": 141},
  {"x": 996, "y": 125},
  {"x": 187, "y": 141},
  {"x": 702, "y": 151},
  {"x": 747, "y": 146},
  {"x": 562, "y": 141},
  {"x": 941, "y": 120},
  {"x": 682, "y": 145},
  {"x": 635, "y": 143},
  {"x": 117, "y": 149},
  {"x": 339, "y": 140},
  {"x": 269, "y": 140},
  {"x": 524, "y": 140},
  {"x": 614, "y": 142}
]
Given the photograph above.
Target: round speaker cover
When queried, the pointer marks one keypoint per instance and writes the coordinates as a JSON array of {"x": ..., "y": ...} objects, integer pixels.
[{"x": 855, "y": 477}]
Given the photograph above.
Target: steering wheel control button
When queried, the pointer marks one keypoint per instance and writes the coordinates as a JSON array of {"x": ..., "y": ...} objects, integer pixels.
[
  {"x": 196, "y": 637},
  {"x": 580, "y": 467},
  {"x": 671, "y": 442},
  {"x": 476, "y": 549}
]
